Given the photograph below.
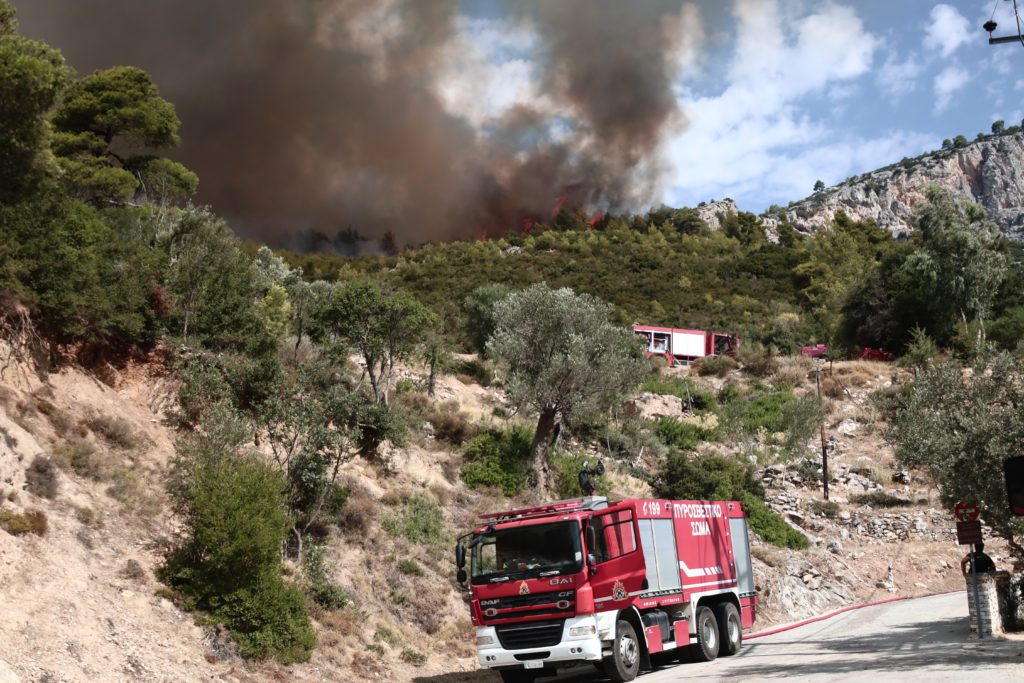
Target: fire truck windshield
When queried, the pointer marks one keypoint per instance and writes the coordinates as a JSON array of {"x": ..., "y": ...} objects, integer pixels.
[{"x": 525, "y": 551}]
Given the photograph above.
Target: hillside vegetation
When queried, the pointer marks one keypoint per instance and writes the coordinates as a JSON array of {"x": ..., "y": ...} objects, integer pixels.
[{"x": 265, "y": 457}]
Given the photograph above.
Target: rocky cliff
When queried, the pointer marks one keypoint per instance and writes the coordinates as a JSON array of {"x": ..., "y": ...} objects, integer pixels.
[{"x": 988, "y": 171}]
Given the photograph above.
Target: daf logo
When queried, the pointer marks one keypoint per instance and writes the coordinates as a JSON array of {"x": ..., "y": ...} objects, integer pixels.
[
  {"x": 495, "y": 601},
  {"x": 560, "y": 582}
]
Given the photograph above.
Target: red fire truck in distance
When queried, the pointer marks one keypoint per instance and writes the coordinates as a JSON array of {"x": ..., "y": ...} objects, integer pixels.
[
  {"x": 685, "y": 346},
  {"x": 607, "y": 583}
]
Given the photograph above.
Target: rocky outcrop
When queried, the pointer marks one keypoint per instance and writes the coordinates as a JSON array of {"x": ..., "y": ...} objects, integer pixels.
[
  {"x": 712, "y": 213},
  {"x": 989, "y": 172}
]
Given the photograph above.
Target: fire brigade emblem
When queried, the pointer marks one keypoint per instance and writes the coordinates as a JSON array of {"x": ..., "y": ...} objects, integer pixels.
[
  {"x": 618, "y": 591},
  {"x": 524, "y": 589}
]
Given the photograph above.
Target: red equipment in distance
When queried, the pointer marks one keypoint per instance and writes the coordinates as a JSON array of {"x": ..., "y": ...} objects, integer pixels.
[
  {"x": 816, "y": 351},
  {"x": 868, "y": 353},
  {"x": 686, "y": 346}
]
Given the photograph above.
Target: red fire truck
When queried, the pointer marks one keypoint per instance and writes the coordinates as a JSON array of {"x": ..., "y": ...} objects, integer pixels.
[
  {"x": 686, "y": 346},
  {"x": 607, "y": 583}
]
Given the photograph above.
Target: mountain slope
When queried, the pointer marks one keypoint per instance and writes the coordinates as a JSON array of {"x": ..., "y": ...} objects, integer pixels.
[{"x": 988, "y": 171}]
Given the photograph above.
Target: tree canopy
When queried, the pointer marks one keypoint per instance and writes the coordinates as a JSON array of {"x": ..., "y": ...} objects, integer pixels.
[{"x": 562, "y": 356}]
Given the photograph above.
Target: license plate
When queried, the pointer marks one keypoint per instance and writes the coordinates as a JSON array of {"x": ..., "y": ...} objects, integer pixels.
[{"x": 533, "y": 664}]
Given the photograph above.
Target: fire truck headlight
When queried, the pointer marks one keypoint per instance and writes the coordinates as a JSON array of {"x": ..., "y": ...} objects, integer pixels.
[
  {"x": 577, "y": 631},
  {"x": 484, "y": 640}
]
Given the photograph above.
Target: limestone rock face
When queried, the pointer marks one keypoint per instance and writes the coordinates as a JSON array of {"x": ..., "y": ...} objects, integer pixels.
[
  {"x": 713, "y": 212},
  {"x": 989, "y": 172}
]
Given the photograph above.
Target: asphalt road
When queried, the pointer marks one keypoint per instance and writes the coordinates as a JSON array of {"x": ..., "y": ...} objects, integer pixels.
[{"x": 925, "y": 640}]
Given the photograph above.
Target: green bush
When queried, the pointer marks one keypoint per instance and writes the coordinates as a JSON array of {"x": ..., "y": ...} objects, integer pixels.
[
  {"x": 682, "y": 435},
  {"x": 320, "y": 589},
  {"x": 566, "y": 468},
  {"x": 769, "y": 526},
  {"x": 497, "y": 459},
  {"x": 704, "y": 477},
  {"x": 479, "y": 371},
  {"x": 880, "y": 499},
  {"x": 268, "y": 619},
  {"x": 410, "y": 567},
  {"x": 688, "y": 391},
  {"x": 716, "y": 477},
  {"x": 230, "y": 564},
  {"x": 32, "y": 522},
  {"x": 413, "y": 657},
  {"x": 419, "y": 521},
  {"x": 825, "y": 508}
]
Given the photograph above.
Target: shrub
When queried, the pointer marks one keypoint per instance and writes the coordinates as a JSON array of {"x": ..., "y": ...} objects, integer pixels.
[
  {"x": 81, "y": 457},
  {"x": 413, "y": 657},
  {"x": 769, "y": 526},
  {"x": 716, "y": 477},
  {"x": 386, "y": 635},
  {"x": 321, "y": 589},
  {"x": 42, "y": 477},
  {"x": 230, "y": 564},
  {"x": 691, "y": 394},
  {"x": 450, "y": 425},
  {"x": 475, "y": 371},
  {"x": 682, "y": 435},
  {"x": 719, "y": 366},
  {"x": 566, "y": 468},
  {"x": 704, "y": 477},
  {"x": 419, "y": 521},
  {"x": 497, "y": 459},
  {"x": 825, "y": 508},
  {"x": 880, "y": 499},
  {"x": 758, "y": 362},
  {"x": 410, "y": 567},
  {"x": 357, "y": 513},
  {"x": 376, "y": 649},
  {"x": 31, "y": 522},
  {"x": 117, "y": 431}
]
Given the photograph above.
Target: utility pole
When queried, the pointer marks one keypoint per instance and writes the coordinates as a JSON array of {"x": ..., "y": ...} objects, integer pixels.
[{"x": 824, "y": 450}]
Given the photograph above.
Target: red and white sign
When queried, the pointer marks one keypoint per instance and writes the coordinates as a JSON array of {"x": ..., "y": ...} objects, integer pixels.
[{"x": 966, "y": 512}]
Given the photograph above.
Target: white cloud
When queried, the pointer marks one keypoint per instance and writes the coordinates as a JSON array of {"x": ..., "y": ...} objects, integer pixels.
[
  {"x": 897, "y": 77},
  {"x": 946, "y": 31},
  {"x": 947, "y": 83},
  {"x": 488, "y": 70},
  {"x": 754, "y": 139}
]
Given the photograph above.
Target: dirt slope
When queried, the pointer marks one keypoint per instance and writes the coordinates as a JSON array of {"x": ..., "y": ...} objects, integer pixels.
[{"x": 81, "y": 602}]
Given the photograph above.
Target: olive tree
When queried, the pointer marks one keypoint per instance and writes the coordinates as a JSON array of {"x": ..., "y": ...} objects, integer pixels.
[
  {"x": 383, "y": 326},
  {"x": 960, "y": 428},
  {"x": 562, "y": 355}
]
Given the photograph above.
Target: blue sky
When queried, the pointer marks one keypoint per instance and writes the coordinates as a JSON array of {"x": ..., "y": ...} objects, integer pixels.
[{"x": 780, "y": 93}]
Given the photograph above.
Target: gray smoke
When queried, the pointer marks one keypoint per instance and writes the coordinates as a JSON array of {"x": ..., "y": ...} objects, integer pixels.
[{"x": 321, "y": 116}]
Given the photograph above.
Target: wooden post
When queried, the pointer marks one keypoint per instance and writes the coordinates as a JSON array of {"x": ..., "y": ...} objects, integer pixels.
[{"x": 824, "y": 449}]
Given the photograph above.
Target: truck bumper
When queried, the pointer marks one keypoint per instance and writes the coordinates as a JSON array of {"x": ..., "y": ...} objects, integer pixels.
[{"x": 579, "y": 648}]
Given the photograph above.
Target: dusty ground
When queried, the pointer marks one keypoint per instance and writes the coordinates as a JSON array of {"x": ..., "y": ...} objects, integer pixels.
[{"x": 81, "y": 603}]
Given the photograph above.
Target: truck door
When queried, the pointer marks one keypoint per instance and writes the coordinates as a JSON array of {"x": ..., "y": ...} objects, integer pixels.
[{"x": 612, "y": 544}]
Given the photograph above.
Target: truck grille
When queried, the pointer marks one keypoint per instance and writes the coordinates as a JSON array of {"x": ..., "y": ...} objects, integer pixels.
[
  {"x": 534, "y": 634},
  {"x": 513, "y": 605}
]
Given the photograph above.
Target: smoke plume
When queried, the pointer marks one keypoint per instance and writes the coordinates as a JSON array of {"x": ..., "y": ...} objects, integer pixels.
[{"x": 326, "y": 116}]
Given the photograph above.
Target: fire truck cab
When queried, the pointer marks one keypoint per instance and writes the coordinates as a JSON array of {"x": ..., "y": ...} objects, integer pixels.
[{"x": 607, "y": 583}]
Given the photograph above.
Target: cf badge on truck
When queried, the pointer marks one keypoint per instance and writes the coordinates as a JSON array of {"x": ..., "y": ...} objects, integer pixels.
[
  {"x": 618, "y": 591},
  {"x": 524, "y": 589}
]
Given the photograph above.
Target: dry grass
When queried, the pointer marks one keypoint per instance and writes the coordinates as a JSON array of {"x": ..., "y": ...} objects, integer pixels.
[
  {"x": 794, "y": 370},
  {"x": 42, "y": 477},
  {"x": 115, "y": 430},
  {"x": 31, "y": 522}
]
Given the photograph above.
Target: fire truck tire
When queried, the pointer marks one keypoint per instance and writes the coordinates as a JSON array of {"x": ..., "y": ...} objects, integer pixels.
[
  {"x": 624, "y": 664},
  {"x": 708, "y": 639},
  {"x": 729, "y": 628},
  {"x": 518, "y": 676}
]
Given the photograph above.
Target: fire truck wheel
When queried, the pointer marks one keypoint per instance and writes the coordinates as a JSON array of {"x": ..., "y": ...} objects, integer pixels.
[
  {"x": 729, "y": 628},
  {"x": 707, "y": 636},
  {"x": 624, "y": 664},
  {"x": 518, "y": 676}
]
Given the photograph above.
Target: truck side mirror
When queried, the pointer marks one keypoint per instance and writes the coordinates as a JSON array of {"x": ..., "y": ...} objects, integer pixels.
[
  {"x": 592, "y": 564},
  {"x": 460, "y": 556},
  {"x": 461, "y": 577}
]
